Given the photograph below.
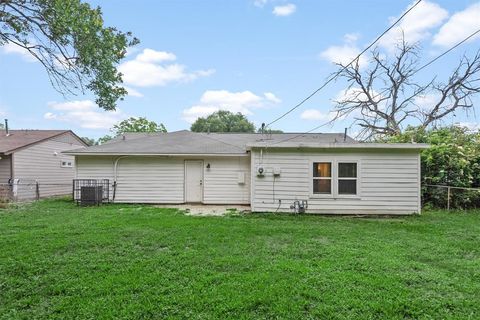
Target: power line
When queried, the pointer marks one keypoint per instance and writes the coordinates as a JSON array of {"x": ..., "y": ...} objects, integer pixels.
[
  {"x": 413, "y": 73},
  {"x": 345, "y": 67},
  {"x": 446, "y": 52}
]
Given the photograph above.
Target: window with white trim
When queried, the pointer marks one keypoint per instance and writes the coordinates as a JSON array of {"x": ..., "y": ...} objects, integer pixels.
[
  {"x": 66, "y": 164},
  {"x": 347, "y": 178},
  {"x": 322, "y": 178}
]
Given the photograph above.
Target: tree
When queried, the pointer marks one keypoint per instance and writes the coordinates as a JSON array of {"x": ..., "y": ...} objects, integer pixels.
[
  {"x": 140, "y": 124},
  {"x": 69, "y": 39},
  {"x": 89, "y": 141},
  {"x": 385, "y": 97},
  {"x": 103, "y": 139},
  {"x": 223, "y": 121}
]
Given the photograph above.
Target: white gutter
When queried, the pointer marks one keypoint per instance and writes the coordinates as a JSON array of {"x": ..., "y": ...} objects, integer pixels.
[{"x": 115, "y": 166}]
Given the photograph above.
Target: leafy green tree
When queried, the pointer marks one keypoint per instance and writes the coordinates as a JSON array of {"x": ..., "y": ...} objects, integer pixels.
[
  {"x": 104, "y": 139},
  {"x": 453, "y": 159},
  {"x": 89, "y": 141},
  {"x": 70, "y": 40},
  {"x": 223, "y": 121},
  {"x": 140, "y": 124}
]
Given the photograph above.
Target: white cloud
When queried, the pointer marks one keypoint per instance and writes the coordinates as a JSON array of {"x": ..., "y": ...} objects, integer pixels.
[
  {"x": 315, "y": 115},
  {"x": 416, "y": 25},
  {"x": 271, "y": 97},
  {"x": 193, "y": 113},
  {"x": 345, "y": 53},
  {"x": 149, "y": 68},
  {"x": 10, "y": 48},
  {"x": 356, "y": 94},
  {"x": 426, "y": 101},
  {"x": 471, "y": 126},
  {"x": 133, "y": 93},
  {"x": 284, "y": 10},
  {"x": 149, "y": 55},
  {"x": 83, "y": 113},
  {"x": 459, "y": 26},
  {"x": 214, "y": 100},
  {"x": 260, "y": 3}
]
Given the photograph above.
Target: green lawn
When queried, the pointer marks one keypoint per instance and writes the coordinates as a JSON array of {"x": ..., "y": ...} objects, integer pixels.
[{"x": 61, "y": 261}]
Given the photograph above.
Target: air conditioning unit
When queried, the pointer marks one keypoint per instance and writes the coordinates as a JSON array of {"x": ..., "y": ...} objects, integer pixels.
[{"x": 91, "y": 195}]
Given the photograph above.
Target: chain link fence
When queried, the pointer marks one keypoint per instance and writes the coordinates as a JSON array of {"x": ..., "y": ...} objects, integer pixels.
[
  {"x": 450, "y": 197},
  {"x": 28, "y": 190}
]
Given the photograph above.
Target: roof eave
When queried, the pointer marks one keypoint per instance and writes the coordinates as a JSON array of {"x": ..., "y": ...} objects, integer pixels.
[
  {"x": 154, "y": 154},
  {"x": 378, "y": 146}
]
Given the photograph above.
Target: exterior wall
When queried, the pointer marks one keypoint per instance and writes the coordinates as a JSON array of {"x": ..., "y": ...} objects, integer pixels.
[
  {"x": 42, "y": 162},
  {"x": 149, "y": 179},
  {"x": 222, "y": 180},
  {"x": 5, "y": 169},
  {"x": 99, "y": 167},
  {"x": 389, "y": 182}
]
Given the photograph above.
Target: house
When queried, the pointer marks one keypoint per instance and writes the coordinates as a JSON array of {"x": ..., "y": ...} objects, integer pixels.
[
  {"x": 320, "y": 173},
  {"x": 31, "y": 157}
]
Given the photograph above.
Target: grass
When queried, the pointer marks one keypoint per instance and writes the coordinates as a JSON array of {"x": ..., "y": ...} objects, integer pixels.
[{"x": 61, "y": 261}]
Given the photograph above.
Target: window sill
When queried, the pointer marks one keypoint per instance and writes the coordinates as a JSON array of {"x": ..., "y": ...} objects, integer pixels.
[{"x": 332, "y": 197}]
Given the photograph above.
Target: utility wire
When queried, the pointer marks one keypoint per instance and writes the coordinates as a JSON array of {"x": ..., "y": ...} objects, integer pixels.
[
  {"x": 415, "y": 72},
  {"x": 344, "y": 67}
]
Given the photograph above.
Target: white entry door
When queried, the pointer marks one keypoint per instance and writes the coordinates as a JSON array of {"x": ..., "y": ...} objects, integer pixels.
[{"x": 193, "y": 180}]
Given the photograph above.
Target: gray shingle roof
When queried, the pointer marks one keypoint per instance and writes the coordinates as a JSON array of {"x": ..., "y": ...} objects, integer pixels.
[{"x": 186, "y": 142}]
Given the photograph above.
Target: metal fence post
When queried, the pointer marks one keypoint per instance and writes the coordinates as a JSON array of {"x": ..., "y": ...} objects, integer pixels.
[
  {"x": 448, "y": 198},
  {"x": 37, "y": 190}
]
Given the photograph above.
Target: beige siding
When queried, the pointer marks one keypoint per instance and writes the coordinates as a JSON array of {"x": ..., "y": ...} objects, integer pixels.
[
  {"x": 150, "y": 180},
  {"x": 100, "y": 167},
  {"x": 388, "y": 182},
  {"x": 161, "y": 179},
  {"x": 222, "y": 180},
  {"x": 5, "y": 170},
  {"x": 42, "y": 162}
]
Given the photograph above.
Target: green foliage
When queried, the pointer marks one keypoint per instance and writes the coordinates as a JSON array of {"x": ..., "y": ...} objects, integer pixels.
[
  {"x": 140, "y": 124},
  {"x": 89, "y": 141},
  {"x": 61, "y": 261},
  {"x": 70, "y": 40},
  {"x": 223, "y": 121},
  {"x": 453, "y": 159},
  {"x": 104, "y": 139}
]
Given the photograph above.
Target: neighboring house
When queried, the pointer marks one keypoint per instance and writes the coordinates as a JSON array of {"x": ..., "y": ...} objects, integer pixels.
[
  {"x": 332, "y": 172},
  {"x": 28, "y": 157}
]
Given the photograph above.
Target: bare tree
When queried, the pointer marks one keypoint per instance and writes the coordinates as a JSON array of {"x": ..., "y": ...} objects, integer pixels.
[{"x": 385, "y": 97}]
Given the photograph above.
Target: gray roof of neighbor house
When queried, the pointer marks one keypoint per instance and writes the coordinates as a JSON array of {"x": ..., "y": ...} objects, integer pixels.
[
  {"x": 186, "y": 142},
  {"x": 17, "y": 139}
]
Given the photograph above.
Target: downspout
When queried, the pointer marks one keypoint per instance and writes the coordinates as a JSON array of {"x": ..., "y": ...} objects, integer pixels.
[{"x": 115, "y": 168}]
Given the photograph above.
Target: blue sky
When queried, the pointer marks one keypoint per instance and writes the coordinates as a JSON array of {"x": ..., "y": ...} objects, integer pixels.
[{"x": 259, "y": 57}]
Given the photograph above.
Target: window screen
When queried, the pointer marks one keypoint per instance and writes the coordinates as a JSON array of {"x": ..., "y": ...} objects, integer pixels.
[
  {"x": 322, "y": 177},
  {"x": 347, "y": 178}
]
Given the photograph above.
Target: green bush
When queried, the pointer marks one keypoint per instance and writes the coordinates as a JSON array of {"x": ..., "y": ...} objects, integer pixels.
[{"x": 453, "y": 159}]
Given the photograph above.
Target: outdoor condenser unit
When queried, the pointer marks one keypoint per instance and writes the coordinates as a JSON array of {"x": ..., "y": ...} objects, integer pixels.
[
  {"x": 91, "y": 195},
  {"x": 87, "y": 192}
]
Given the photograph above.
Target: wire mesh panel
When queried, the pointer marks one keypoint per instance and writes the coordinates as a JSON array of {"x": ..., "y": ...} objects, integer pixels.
[{"x": 91, "y": 191}]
